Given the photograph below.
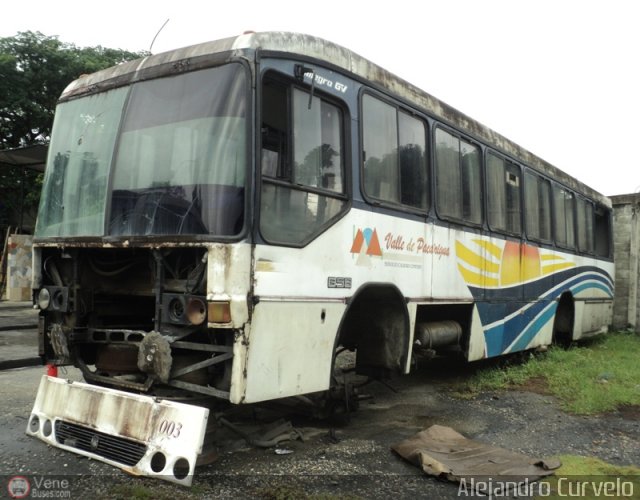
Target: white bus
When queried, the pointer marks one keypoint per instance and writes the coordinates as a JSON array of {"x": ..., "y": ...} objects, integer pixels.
[{"x": 217, "y": 221}]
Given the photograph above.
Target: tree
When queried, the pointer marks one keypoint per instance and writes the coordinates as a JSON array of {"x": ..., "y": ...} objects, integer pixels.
[{"x": 34, "y": 70}]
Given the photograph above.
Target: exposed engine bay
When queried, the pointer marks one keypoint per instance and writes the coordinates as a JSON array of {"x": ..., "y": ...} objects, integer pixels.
[{"x": 134, "y": 318}]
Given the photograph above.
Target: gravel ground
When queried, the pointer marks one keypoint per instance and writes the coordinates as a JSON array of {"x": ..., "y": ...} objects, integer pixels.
[{"x": 352, "y": 460}]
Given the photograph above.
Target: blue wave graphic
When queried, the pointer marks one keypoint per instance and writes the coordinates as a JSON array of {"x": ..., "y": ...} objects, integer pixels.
[{"x": 526, "y": 318}]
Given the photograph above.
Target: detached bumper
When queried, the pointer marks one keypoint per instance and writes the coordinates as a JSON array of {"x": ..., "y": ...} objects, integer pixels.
[{"x": 139, "y": 434}]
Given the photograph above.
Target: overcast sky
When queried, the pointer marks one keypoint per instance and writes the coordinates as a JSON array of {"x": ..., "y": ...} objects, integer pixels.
[{"x": 559, "y": 77}]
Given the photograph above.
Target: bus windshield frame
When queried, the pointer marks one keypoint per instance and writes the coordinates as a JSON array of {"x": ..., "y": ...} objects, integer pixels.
[{"x": 165, "y": 157}]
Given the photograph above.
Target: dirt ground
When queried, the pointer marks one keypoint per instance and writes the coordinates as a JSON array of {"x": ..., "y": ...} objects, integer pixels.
[{"x": 350, "y": 460}]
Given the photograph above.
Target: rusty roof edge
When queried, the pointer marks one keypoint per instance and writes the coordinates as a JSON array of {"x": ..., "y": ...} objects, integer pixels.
[
  {"x": 337, "y": 55},
  {"x": 318, "y": 48},
  {"x": 138, "y": 65}
]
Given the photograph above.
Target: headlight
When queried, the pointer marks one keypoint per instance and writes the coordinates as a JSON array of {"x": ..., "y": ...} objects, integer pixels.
[
  {"x": 176, "y": 309},
  {"x": 182, "y": 309},
  {"x": 196, "y": 311},
  {"x": 44, "y": 298}
]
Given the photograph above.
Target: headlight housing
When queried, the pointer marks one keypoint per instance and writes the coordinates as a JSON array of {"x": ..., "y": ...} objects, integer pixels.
[{"x": 44, "y": 299}]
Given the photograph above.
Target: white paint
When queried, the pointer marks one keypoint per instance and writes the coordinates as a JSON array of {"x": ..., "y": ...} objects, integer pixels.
[
  {"x": 229, "y": 279},
  {"x": 290, "y": 349},
  {"x": 177, "y": 430}
]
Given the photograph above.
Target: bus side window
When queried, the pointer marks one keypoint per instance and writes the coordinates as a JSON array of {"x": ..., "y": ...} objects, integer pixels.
[
  {"x": 274, "y": 131},
  {"x": 394, "y": 154},
  {"x": 585, "y": 225},
  {"x": 602, "y": 232},
  {"x": 563, "y": 209},
  {"x": 537, "y": 194},
  {"x": 302, "y": 163},
  {"x": 503, "y": 194},
  {"x": 458, "y": 179}
]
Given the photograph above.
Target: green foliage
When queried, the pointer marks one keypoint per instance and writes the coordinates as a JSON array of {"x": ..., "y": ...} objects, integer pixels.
[
  {"x": 34, "y": 70},
  {"x": 600, "y": 376}
]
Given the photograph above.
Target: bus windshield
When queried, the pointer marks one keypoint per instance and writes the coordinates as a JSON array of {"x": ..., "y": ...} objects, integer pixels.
[{"x": 162, "y": 157}]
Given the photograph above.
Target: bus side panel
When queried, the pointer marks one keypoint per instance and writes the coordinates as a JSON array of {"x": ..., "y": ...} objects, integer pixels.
[
  {"x": 517, "y": 286},
  {"x": 593, "y": 298},
  {"x": 288, "y": 343},
  {"x": 363, "y": 247},
  {"x": 290, "y": 348},
  {"x": 458, "y": 268},
  {"x": 595, "y": 317},
  {"x": 412, "y": 308},
  {"x": 477, "y": 346}
]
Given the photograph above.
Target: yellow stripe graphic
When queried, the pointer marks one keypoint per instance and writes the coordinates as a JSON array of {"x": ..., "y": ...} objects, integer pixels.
[
  {"x": 551, "y": 268},
  {"x": 494, "y": 250},
  {"x": 477, "y": 279},
  {"x": 475, "y": 260},
  {"x": 551, "y": 257}
]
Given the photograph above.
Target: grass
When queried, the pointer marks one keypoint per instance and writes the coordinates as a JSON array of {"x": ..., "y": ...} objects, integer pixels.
[
  {"x": 135, "y": 491},
  {"x": 587, "y": 478},
  {"x": 598, "y": 376}
]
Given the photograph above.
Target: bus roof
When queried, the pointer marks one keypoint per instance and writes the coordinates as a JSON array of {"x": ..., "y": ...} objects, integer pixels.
[{"x": 246, "y": 45}]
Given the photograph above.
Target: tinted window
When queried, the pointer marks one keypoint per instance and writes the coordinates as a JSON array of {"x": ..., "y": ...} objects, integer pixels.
[
  {"x": 458, "y": 179},
  {"x": 182, "y": 156},
  {"x": 503, "y": 194},
  {"x": 395, "y": 164},
  {"x": 317, "y": 143},
  {"x": 563, "y": 208},
  {"x": 380, "y": 141},
  {"x": 302, "y": 163},
  {"x": 413, "y": 161},
  {"x": 585, "y": 225},
  {"x": 602, "y": 232},
  {"x": 537, "y": 207}
]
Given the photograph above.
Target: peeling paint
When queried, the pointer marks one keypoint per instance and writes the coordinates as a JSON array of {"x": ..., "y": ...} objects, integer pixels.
[{"x": 158, "y": 426}]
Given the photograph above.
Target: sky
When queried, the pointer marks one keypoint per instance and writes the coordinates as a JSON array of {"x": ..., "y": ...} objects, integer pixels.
[{"x": 561, "y": 78}]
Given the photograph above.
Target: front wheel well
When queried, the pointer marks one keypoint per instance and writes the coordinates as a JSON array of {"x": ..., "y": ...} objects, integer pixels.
[{"x": 376, "y": 326}]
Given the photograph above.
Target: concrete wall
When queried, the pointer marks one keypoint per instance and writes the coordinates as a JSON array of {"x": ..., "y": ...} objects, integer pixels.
[
  {"x": 626, "y": 242},
  {"x": 19, "y": 267}
]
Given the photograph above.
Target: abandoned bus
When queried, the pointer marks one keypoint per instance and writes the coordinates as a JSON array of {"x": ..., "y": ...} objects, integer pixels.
[{"x": 218, "y": 221}]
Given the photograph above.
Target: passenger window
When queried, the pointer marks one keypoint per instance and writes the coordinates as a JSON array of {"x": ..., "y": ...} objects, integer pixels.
[
  {"x": 537, "y": 207},
  {"x": 585, "y": 225},
  {"x": 394, "y": 153},
  {"x": 602, "y": 231},
  {"x": 413, "y": 161},
  {"x": 302, "y": 163},
  {"x": 563, "y": 208},
  {"x": 503, "y": 195},
  {"x": 458, "y": 179}
]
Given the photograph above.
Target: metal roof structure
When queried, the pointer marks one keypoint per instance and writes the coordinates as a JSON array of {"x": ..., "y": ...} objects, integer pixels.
[{"x": 31, "y": 157}]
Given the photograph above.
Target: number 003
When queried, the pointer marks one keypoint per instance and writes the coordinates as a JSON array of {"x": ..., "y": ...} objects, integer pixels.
[{"x": 170, "y": 428}]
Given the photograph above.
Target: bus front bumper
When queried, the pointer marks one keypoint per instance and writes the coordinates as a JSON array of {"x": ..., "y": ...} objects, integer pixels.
[{"x": 140, "y": 434}]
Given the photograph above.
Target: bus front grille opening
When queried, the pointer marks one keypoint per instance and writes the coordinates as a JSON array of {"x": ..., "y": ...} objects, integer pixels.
[{"x": 118, "y": 449}]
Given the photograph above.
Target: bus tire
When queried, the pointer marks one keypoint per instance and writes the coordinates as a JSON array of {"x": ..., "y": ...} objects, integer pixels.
[{"x": 376, "y": 326}]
